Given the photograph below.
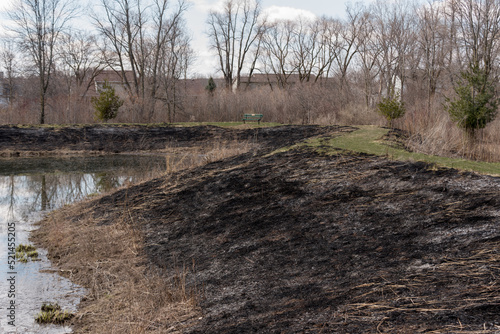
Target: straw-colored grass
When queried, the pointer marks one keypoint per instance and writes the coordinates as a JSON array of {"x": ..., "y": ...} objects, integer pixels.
[
  {"x": 124, "y": 293},
  {"x": 104, "y": 253},
  {"x": 471, "y": 286}
]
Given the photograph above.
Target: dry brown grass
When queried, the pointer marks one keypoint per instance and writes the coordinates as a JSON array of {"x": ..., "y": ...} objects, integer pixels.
[
  {"x": 104, "y": 254},
  {"x": 189, "y": 157},
  {"x": 471, "y": 288},
  {"x": 124, "y": 293},
  {"x": 223, "y": 149},
  {"x": 432, "y": 132}
]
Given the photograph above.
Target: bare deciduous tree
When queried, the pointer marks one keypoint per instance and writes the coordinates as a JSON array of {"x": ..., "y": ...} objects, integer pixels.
[
  {"x": 175, "y": 59},
  {"x": 479, "y": 26},
  {"x": 79, "y": 54},
  {"x": 308, "y": 48},
  {"x": 369, "y": 57},
  {"x": 395, "y": 33},
  {"x": 136, "y": 33},
  {"x": 329, "y": 49},
  {"x": 80, "y": 61},
  {"x": 347, "y": 40},
  {"x": 233, "y": 31},
  {"x": 9, "y": 64},
  {"x": 432, "y": 38},
  {"x": 38, "y": 25},
  {"x": 302, "y": 47},
  {"x": 277, "y": 51}
]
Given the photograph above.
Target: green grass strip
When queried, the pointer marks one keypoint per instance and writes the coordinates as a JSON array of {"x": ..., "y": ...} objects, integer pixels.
[
  {"x": 229, "y": 124},
  {"x": 368, "y": 139}
]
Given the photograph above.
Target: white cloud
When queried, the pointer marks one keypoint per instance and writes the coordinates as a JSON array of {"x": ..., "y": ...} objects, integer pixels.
[
  {"x": 6, "y": 5},
  {"x": 275, "y": 13},
  {"x": 206, "y": 6}
]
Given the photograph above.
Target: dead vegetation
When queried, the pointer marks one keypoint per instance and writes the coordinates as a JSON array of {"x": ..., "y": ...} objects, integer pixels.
[
  {"x": 105, "y": 139},
  {"x": 460, "y": 289},
  {"x": 189, "y": 157},
  {"x": 124, "y": 293},
  {"x": 337, "y": 244}
]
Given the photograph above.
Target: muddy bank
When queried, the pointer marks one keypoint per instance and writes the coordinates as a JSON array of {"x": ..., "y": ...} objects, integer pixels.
[
  {"x": 303, "y": 242},
  {"x": 18, "y": 141}
]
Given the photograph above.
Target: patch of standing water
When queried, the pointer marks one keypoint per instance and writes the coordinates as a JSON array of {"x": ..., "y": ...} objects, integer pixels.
[{"x": 31, "y": 187}]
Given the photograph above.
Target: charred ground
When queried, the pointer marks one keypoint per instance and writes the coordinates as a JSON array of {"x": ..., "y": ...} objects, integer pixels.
[
  {"x": 25, "y": 141},
  {"x": 306, "y": 242}
]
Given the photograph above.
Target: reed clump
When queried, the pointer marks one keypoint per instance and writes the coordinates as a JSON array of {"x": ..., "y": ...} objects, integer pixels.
[
  {"x": 189, "y": 157},
  {"x": 26, "y": 253},
  {"x": 53, "y": 314}
]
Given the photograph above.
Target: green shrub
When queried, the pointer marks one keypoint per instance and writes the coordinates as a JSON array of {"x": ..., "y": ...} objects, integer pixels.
[
  {"x": 475, "y": 104},
  {"x": 391, "y": 107},
  {"x": 25, "y": 248},
  {"x": 106, "y": 105},
  {"x": 24, "y": 253},
  {"x": 211, "y": 86}
]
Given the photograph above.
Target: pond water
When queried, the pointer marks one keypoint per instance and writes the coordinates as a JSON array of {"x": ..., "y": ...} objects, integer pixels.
[{"x": 29, "y": 188}]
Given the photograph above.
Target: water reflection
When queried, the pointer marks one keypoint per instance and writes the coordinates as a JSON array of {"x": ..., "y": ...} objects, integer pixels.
[{"x": 28, "y": 188}]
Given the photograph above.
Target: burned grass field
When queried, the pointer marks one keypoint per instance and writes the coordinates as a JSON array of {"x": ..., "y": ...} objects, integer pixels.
[
  {"x": 112, "y": 138},
  {"x": 301, "y": 241}
]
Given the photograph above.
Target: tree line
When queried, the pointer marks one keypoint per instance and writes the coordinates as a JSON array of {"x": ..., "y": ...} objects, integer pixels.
[{"x": 144, "y": 42}]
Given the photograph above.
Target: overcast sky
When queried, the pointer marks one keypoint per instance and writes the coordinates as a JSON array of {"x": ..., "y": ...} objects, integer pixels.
[{"x": 196, "y": 17}]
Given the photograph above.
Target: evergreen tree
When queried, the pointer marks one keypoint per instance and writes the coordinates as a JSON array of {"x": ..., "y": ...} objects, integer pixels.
[
  {"x": 475, "y": 104},
  {"x": 391, "y": 107},
  {"x": 106, "y": 105},
  {"x": 211, "y": 86}
]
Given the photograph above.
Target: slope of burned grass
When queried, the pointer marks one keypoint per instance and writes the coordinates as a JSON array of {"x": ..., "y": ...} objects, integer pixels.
[
  {"x": 18, "y": 141},
  {"x": 302, "y": 242},
  {"x": 299, "y": 242}
]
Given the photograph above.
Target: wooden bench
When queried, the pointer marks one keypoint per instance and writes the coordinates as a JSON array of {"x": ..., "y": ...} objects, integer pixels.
[{"x": 252, "y": 117}]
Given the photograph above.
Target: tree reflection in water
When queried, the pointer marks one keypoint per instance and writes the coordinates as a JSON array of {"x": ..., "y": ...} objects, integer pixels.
[
  {"x": 28, "y": 186},
  {"x": 69, "y": 180}
]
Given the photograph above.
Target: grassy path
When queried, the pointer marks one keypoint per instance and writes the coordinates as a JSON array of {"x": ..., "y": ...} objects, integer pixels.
[{"x": 368, "y": 139}]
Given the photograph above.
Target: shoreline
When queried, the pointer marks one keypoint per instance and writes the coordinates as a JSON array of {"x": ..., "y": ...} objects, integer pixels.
[
  {"x": 106, "y": 259},
  {"x": 18, "y": 141}
]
